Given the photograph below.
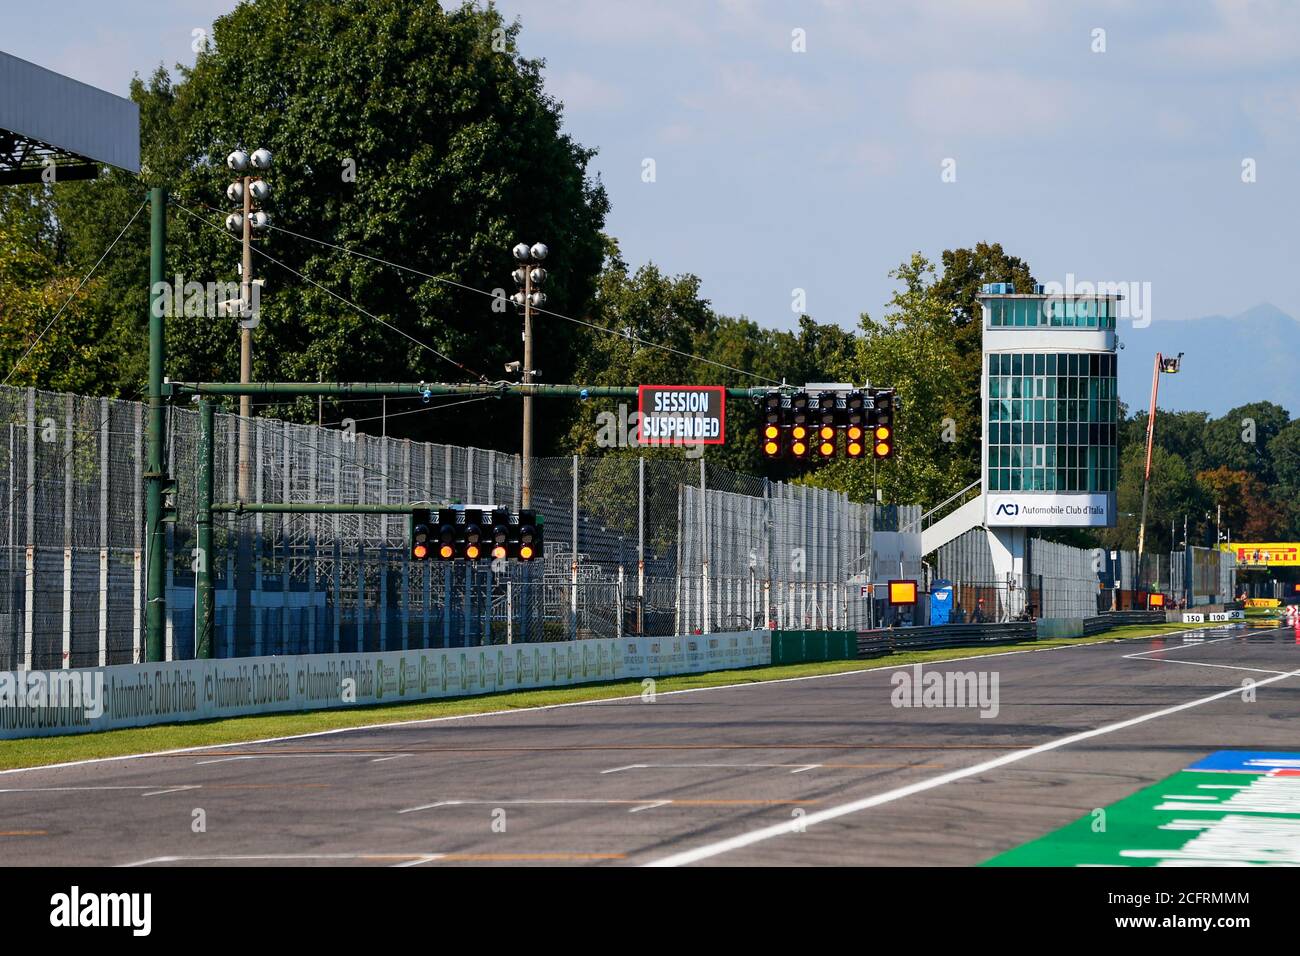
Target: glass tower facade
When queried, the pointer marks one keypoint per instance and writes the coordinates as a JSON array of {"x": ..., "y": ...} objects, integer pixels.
[{"x": 1051, "y": 416}]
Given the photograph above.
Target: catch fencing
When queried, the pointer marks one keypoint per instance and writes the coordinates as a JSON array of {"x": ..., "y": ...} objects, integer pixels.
[
  {"x": 633, "y": 545},
  {"x": 1065, "y": 582}
]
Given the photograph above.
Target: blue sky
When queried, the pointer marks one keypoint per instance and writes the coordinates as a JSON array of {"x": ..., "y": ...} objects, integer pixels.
[{"x": 778, "y": 170}]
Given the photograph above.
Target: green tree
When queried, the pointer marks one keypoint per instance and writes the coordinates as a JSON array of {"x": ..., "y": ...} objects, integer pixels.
[
  {"x": 1242, "y": 504},
  {"x": 51, "y": 325},
  {"x": 458, "y": 154},
  {"x": 964, "y": 272},
  {"x": 1174, "y": 493},
  {"x": 912, "y": 349},
  {"x": 1240, "y": 439}
]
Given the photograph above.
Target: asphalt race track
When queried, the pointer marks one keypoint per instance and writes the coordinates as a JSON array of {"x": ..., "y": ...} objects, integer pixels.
[{"x": 811, "y": 771}]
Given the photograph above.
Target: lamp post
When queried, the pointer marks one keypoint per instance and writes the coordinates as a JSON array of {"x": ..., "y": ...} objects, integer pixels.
[
  {"x": 1169, "y": 366},
  {"x": 250, "y": 188},
  {"x": 528, "y": 276}
]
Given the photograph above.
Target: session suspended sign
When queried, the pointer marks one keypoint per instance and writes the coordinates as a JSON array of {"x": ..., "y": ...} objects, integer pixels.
[{"x": 682, "y": 414}]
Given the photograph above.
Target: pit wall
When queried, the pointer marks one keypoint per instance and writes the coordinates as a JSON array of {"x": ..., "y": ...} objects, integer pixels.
[{"x": 134, "y": 695}]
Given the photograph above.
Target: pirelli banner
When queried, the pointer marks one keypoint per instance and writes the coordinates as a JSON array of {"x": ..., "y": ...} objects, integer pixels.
[
  {"x": 682, "y": 414},
  {"x": 86, "y": 699},
  {"x": 1265, "y": 554}
]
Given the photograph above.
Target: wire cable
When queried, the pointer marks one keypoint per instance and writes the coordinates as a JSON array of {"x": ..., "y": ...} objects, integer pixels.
[
  {"x": 447, "y": 358},
  {"x": 567, "y": 318},
  {"x": 75, "y": 291}
]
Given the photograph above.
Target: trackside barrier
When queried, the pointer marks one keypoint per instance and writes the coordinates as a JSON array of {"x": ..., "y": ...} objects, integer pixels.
[
  {"x": 797, "y": 647},
  {"x": 87, "y": 699},
  {"x": 1093, "y": 626},
  {"x": 881, "y": 642}
]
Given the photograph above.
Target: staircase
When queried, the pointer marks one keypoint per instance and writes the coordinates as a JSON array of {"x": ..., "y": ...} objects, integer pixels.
[{"x": 951, "y": 518}]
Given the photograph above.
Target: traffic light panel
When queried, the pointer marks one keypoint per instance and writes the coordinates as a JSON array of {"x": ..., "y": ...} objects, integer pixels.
[
  {"x": 882, "y": 432},
  {"x": 470, "y": 541},
  {"x": 803, "y": 426},
  {"x": 499, "y": 533},
  {"x": 827, "y": 414},
  {"x": 772, "y": 437},
  {"x": 800, "y": 438},
  {"x": 528, "y": 536},
  {"x": 475, "y": 534},
  {"x": 854, "y": 437},
  {"x": 445, "y": 542},
  {"x": 826, "y": 441},
  {"x": 421, "y": 533}
]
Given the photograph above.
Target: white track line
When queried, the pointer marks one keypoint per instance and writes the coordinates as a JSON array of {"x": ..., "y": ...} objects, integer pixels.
[
  {"x": 1226, "y": 667},
  {"x": 781, "y": 829},
  {"x": 511, "y": 712},
  {"x": 577, "y": 703}
]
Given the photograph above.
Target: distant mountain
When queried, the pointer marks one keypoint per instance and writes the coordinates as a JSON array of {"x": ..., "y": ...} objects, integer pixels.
[{"x": 1229, "y": 361}]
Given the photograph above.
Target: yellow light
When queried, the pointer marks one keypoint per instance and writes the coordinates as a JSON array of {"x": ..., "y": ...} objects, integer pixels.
[
  {"x": 1157, "y": 600},
  {"x": 420, "y": 551},
  {"x": 499, "y": 551},
  {"x": 854, "y": 449},
  {"x": 799, "y": 448},
  {"x": 827, "y": 449},
  {"x": 446, "y": 551},
  {"x": 525, "y": 552},
  {"x": 800, "y": 432},
  {"x": 770, "y": 431},
  {"x": 882, "y": 449},
  {"x": 770, "y": 448},
  {"x": 882, "y": 433},
  {"x": 855, "y": 433},
  {"x": 828, "y": 432},
  {"x": 472, "y": 551}
]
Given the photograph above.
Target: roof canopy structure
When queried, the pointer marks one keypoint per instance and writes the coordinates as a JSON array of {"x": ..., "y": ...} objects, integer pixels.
[{"x": 47, "y": 117}]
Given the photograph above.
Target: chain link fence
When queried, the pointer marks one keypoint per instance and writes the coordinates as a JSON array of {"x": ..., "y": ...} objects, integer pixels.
[
  {"x": 1065, "y": 581},
  {"x": 633, "y": 545}
]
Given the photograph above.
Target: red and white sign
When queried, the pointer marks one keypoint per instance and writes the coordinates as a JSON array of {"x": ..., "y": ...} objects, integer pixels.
[{"x": 681, "y": 414}]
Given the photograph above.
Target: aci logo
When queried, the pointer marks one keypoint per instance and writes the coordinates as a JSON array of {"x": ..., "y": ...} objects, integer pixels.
[{"x": 1008, "y": 508}]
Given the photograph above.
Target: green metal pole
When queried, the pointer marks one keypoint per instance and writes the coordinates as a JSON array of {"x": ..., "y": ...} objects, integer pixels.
[
  {"x": 155, "y": 540},
  {"x": 314, "y": 507},
  {"x": 417, "y": 388},
  {"x": 204, "y": 607}
]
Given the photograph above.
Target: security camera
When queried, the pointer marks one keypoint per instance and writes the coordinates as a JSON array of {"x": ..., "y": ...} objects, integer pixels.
[
  {"x": 235, "y": 222},
  {"x": 260, "y": 190},
  {"x": 261, "y": 159},
  {"x": 539, "y": 251},
  {"x": 538, "y": 276},
  {"x": 520, "y": 251},
  {"x": 514, "y": 366},
  {"x": 537, "y": 299},
  {"x": 235, "y": 192},
  {"x": 238, "y": 160},
  {"x": 260, "y": 221}
]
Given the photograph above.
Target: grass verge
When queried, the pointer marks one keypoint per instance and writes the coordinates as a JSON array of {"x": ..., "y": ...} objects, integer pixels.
[{"x": 39, "y": 751}]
